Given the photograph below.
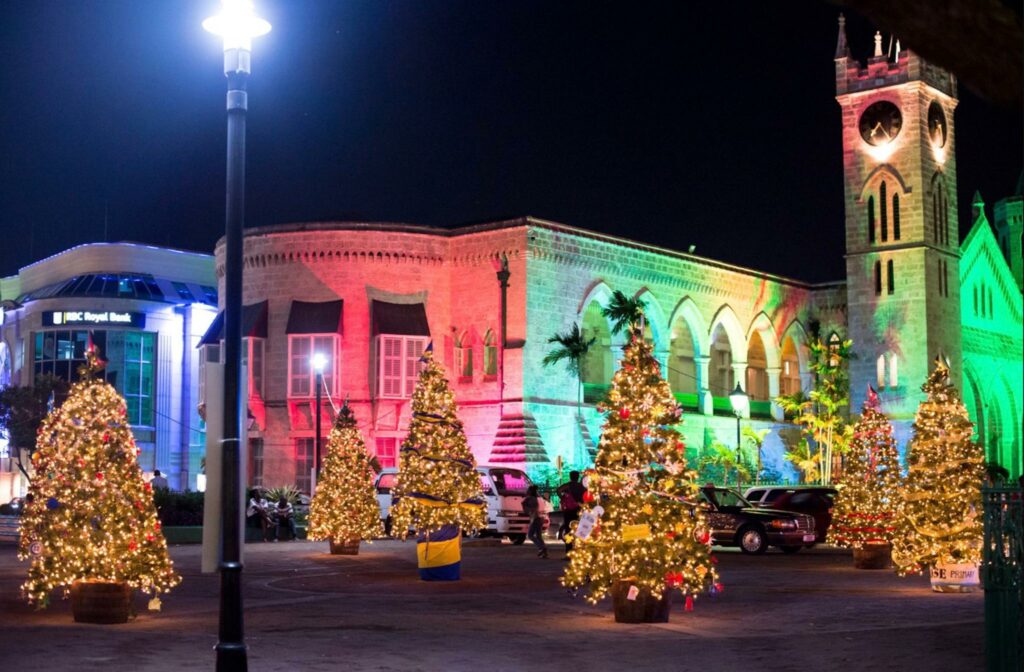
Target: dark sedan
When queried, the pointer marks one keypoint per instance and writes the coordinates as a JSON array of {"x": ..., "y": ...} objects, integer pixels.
[
  {"x": 735, "y": 522},
  {"x": 814, "y": 500}
]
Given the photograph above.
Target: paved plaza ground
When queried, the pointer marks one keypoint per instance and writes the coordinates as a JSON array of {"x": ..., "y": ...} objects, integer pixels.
[{"x": 307, "y": 610}]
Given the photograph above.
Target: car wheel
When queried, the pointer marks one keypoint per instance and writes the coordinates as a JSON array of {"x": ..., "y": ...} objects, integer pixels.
[
  {"x": 517, "y": 539},
  {"x": 790, "y": 549},
  {"x": 753, "y": 540}
]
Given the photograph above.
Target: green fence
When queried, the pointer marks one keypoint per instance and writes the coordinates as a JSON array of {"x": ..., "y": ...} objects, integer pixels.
[{"x": 1002, "y": 575}]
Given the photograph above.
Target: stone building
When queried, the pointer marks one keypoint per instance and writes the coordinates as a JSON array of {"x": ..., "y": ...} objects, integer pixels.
[{"x": 372, "y": 296}]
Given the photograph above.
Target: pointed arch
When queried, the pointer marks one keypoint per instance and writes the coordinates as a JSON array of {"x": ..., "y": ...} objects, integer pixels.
[
  {"x": 687, "y": 311},
  {"x": 798, "y": 334},
  {"x": 726, "y": 318},
  {"x": 887, "y": 172},
  {"x": 598, "y": 291},
  {"x": 762, "y": 324},
  {"x": 655, "y": 317}
]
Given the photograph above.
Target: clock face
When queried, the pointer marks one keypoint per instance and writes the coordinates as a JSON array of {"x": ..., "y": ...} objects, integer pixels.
[
  {"x": 936, "y": 124},
  {"x": 880, "y": 123}
]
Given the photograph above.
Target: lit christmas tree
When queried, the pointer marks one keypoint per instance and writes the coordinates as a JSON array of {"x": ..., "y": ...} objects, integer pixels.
[
  {"x": 642, "y": 534},
  {"x": 344, "y": 508},
  {"x": 939, "y": 519},
  {"x": 91, "y": 516},
  {"x": 438, "y": 489},
  {"x": 865, "y": 507}
]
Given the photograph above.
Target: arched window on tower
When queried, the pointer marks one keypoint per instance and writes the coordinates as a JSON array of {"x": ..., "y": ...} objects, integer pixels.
[
  {"x": 871, "y": 220},
  {"x": 880, "y": 372},
  {"x": 935, "y": 212},
  {"x": 895, "y": 216},
  {"x": 883, "y": 212},
  {"x": 490, "y": 354},
  {"x": 894, "y": 376},
  {"x": 890, "y": 278},
  {"x": 975, "y": 300},
  {"x": 944, "y": 222},
  {"x": 878, "y": 277}
]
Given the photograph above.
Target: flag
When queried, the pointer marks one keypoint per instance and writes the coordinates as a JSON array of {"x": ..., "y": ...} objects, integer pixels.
[
  {"x": 49, "y": 403},
  {"x": 872, "y": 400},
  {"x": 428, "y": 353}
]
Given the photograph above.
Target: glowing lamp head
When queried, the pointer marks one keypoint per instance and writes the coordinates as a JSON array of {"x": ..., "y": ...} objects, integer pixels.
[
  {"x": 237, "y": 23},
  {"x": 739, "y": 400},
  {"x": 319, "y": 362}
]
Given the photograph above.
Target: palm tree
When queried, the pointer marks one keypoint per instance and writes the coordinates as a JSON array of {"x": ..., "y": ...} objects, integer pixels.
[
  {"x": 572, "y": 347},
  {"x": 807, "y": 461},
  {"x": 722, "y": 456},
  {"x": 625, "y": 312},
  {"x": 756, "y": 437}
]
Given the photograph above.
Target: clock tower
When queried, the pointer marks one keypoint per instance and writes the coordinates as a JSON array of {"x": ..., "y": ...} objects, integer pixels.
[{"x": 902, "y": 241}]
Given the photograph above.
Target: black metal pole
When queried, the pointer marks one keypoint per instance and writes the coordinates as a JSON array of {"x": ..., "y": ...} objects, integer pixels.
[
  {"x": 503, "y": 276},
  {"x": 231, "y": 649},
  {"x": 739, "y": 453},
  {"x": 319, "y": 387}
]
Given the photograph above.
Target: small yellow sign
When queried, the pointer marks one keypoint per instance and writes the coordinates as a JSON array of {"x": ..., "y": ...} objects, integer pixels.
[{"x": 636, "y": 532}]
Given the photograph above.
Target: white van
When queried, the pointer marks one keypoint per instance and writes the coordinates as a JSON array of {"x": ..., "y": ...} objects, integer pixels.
[{"x": 504, "y": 489}]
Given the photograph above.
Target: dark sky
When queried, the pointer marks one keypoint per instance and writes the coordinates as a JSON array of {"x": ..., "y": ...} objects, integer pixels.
[{"x": 674, "y": 123}]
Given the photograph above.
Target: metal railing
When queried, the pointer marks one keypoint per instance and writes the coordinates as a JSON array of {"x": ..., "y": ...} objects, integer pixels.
[{"x": 1002, "y": 575}]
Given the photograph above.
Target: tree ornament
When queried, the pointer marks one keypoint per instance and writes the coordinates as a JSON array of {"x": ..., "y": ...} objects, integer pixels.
[{"x": 52, "y": 504}]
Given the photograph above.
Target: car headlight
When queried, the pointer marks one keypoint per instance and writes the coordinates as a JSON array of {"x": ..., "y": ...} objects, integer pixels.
[{"x": 783, "y": 524}]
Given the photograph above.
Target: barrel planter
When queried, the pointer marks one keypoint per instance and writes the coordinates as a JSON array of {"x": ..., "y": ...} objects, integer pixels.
[
  {"x": 955, "y": 578},
  {"x": 645, "y": 608},
  {"x": 347, "y": 547},
  {"x": 873, "y": 556},
  {"x": 101, "y": 602}
]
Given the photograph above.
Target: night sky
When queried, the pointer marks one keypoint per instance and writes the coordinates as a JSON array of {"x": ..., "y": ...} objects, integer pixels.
[{"x": 673, "y": 123}]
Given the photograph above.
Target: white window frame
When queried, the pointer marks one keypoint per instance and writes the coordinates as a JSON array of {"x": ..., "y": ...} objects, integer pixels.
[
  {"x": 402, "y": 380},
  {"x": 255, "y": 366},
  {"x": 330, "y": 345},
  {"x": 490, "y": 354},
  {"x": 396, "y": 440},
  {"x": 880, "y": 372},
  {"x": 208, "y": 353}
]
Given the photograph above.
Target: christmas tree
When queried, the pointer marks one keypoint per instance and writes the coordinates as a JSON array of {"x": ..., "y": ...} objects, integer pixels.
[
  {"x": 90, "y": 516},
  {"x": 344, "y": 508},
  {"x": 939, "y": 518},
  {"x": 437, "y": 484},
  {"x": 866, "y": 504},
  {"x": 643, "y": 528}
]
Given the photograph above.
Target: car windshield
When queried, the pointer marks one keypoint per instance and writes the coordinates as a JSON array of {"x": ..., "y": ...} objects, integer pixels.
[
  {"x": 510, "y": 481},
  {"x": 485, "y": 485},
  {"x": 730, "y": 498}
]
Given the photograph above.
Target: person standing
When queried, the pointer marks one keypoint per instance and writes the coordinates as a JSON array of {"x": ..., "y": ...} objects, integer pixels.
[
  {"x": 535, "y": 533},
  {"x": 159, "y": 481},
  {"x": 571, "y": 496}
]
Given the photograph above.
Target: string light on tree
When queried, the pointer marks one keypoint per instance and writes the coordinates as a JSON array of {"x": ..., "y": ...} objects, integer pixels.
[
  {"x": 642, "y": 531},
  {"x": 865, "y": 507},
  {"x": 438, "y": 490},
  {"x": 344, "y": 508},
  {"x": 90, "y": 515},
  {"x": 939, "y": 519}
]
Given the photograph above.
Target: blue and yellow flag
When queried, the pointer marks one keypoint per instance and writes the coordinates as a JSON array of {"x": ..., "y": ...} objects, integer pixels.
[{"x": 440, "y": 554}]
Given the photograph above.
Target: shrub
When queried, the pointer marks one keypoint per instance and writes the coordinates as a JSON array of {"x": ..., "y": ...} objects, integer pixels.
[{"x": 177, "y": 509}]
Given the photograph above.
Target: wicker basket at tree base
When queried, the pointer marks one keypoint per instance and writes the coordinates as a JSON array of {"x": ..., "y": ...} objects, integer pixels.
[
  {"x": 345, "y": 547},
  {"x": 646, "y": 608},
  {"x": 873, "y": 556},
  {"x": 101, "y": 602}
]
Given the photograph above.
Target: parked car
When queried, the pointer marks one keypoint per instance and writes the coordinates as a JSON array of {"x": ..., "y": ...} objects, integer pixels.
[
  {"x": 814, "y": 500},
  {"x": 735, "y": 522},
  {"x": 504, "y": 489}
]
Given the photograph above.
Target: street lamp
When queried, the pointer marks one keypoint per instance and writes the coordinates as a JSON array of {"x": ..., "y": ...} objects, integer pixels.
[
  {"x": 740, "y": 405},
  {"x": 237, "y": 24},
  {"x": 319, "y": 361}
]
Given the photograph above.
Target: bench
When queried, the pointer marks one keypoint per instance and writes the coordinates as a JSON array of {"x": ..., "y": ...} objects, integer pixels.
[{"x": 9, "y": 528}]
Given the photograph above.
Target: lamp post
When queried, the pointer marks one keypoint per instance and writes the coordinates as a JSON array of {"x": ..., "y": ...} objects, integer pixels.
[
  {"x": 237, "y": 25},
  {"x": 740, "y": 403},
  {"x": 319, "y": 362}
]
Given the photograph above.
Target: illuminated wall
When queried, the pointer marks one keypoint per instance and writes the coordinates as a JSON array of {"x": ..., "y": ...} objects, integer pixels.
[{"x": 993, "y": 382}]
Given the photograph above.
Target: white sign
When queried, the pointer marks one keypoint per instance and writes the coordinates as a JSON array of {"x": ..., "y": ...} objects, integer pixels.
[{"x": 958, "y": 576}]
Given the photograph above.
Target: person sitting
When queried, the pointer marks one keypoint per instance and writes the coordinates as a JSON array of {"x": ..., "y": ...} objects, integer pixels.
[
  {"x": 285, "y": 517},
  {"x": 259, "y": 515}
]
